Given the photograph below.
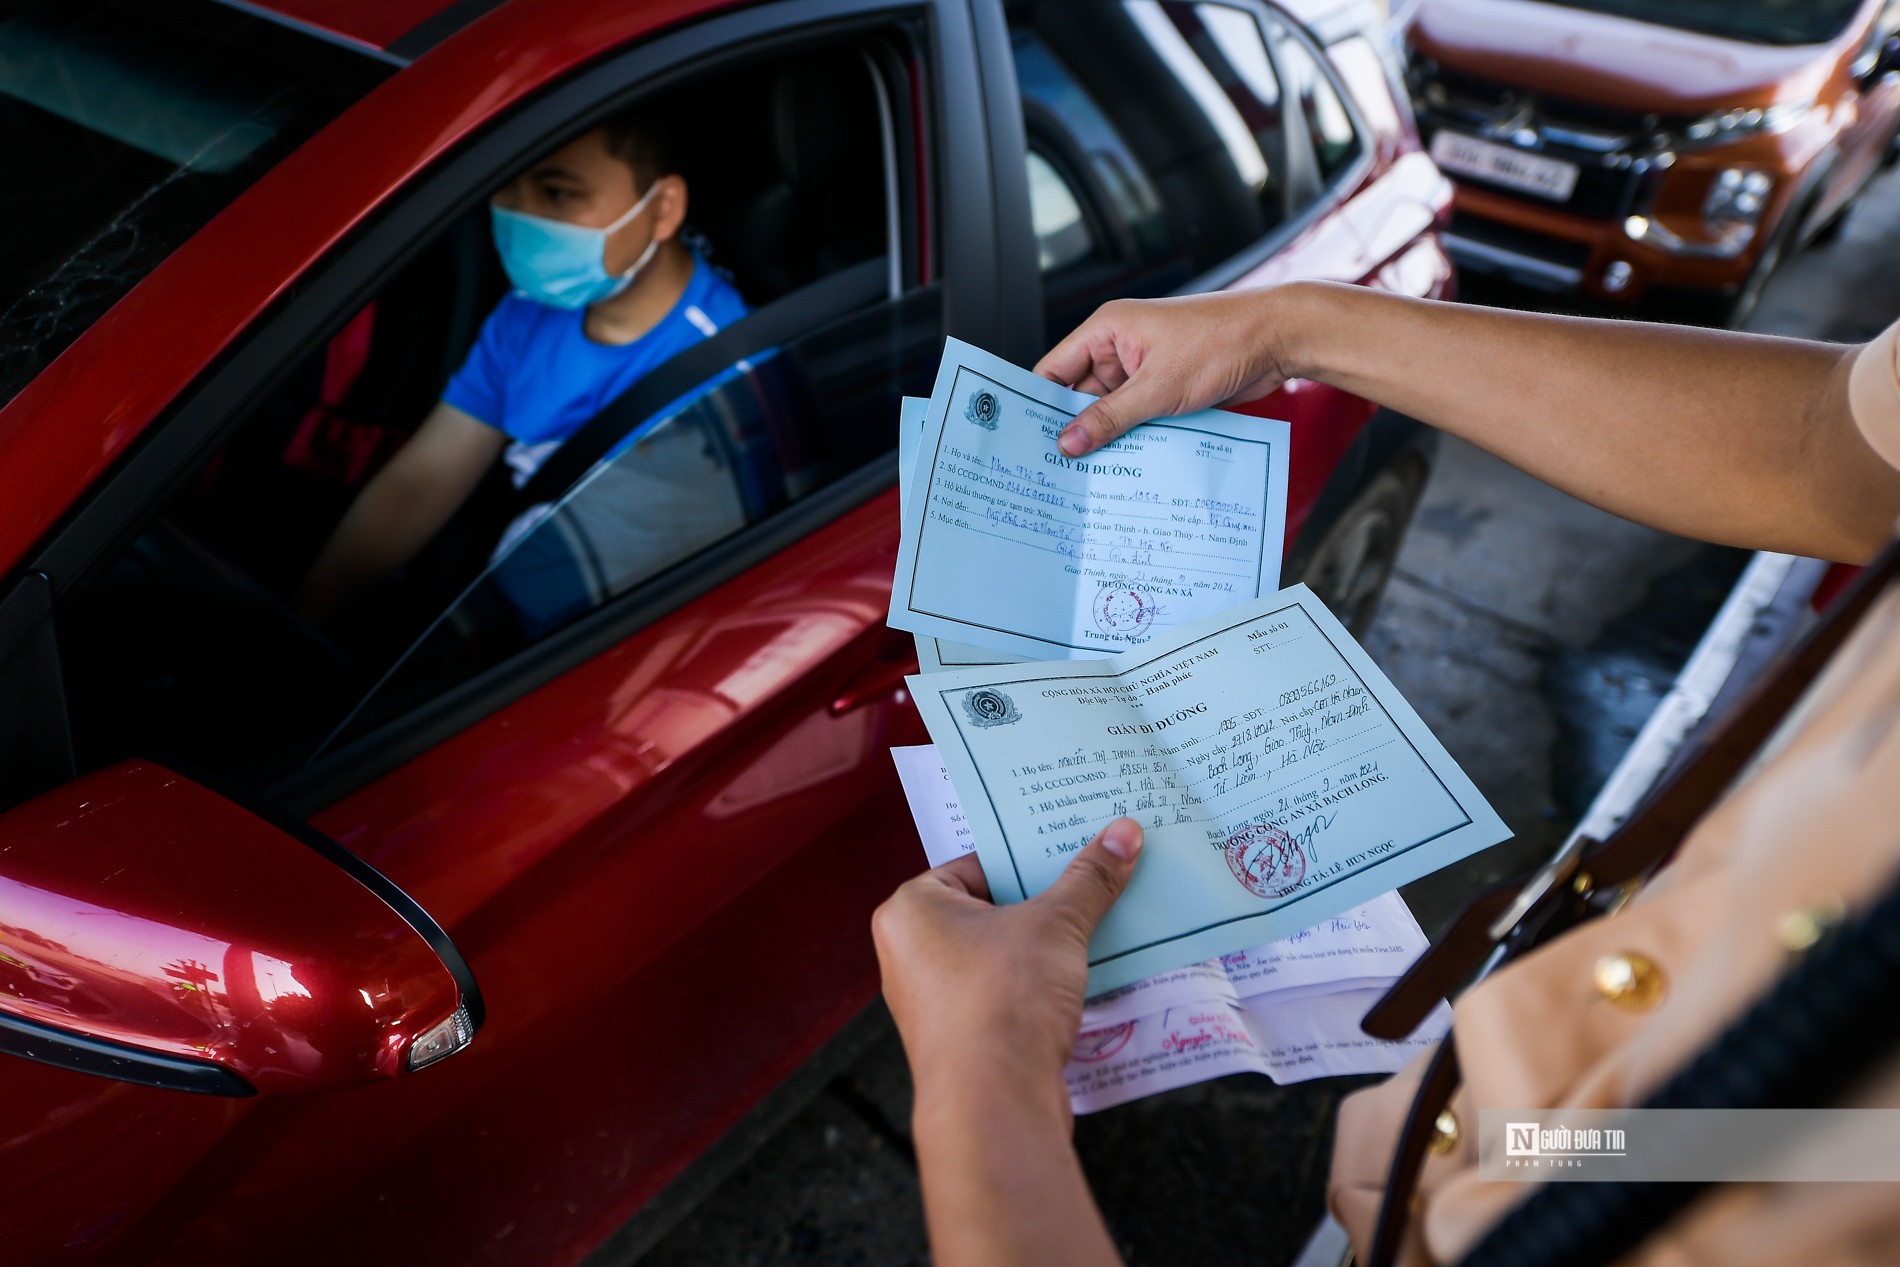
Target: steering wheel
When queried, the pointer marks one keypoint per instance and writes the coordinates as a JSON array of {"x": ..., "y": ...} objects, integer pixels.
[{"x": 235, "y": 603}]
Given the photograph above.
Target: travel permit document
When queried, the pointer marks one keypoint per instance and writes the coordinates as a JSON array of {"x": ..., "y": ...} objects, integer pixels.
[
  {"x": 1010, "y": 546},
  {"x": 932, "y": 654},
  {"x": 1281, "y": 778},
  {"x": 1289, "y": 1009}
]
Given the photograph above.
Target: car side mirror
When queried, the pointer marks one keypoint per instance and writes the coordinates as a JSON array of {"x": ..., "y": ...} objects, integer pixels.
[{"x": 155, "y": 932}]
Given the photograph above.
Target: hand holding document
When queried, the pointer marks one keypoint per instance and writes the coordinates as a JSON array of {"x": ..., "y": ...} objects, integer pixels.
[
  {"x": 1288, "y": 1009},
  {"x": 1009, "y": 545},
  {"x": 1107, "y": 640},
  {"x": 1281, "y": 779}
]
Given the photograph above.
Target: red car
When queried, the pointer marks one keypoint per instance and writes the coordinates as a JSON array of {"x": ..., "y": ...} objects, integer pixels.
[{"x": 252, "y": 873}]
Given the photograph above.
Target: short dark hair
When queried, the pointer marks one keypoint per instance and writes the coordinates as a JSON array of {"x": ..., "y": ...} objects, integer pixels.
[{"x": 638, "y": 140}]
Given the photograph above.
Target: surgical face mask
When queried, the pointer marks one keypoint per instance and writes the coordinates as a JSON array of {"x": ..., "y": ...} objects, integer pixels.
[{"x": 560, "y": 264}]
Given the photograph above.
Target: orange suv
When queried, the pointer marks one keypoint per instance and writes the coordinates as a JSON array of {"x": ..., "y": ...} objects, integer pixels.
[{"x": 1623, "y": 147}]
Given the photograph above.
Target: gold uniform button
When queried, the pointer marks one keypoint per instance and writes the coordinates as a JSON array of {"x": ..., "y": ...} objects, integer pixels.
[
  {"x": 1444, "y": 1134},
  {"x": 1630, "y": 980}
]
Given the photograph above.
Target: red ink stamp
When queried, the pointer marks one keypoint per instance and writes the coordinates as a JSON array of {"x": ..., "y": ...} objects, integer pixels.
[
  {"x": 1265, "y": 861},
  {"x": 1123, "y": 612},
  {"x": 1096, "y": 1045}
]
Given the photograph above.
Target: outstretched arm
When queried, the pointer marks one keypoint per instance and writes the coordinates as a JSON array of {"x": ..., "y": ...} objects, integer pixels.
[
  {"x": 399, "y": 510},
  {"x": 1739, "y": 438},
  {"x": 988, "y": 1000}
]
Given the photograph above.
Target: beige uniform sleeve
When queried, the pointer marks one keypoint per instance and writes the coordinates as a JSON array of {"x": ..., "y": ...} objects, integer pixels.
[{"x": 1873, "y": 392}]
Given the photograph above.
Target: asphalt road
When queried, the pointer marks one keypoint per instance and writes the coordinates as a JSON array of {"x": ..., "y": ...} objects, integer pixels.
[{"x": 1534, "y": 634}]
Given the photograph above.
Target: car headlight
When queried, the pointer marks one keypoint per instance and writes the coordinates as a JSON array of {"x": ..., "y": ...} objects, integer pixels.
[
  {"x": 1719, "y": 127},
  {"x": 1732, "y": 210},
  {"x": 1737, "y": 197}
]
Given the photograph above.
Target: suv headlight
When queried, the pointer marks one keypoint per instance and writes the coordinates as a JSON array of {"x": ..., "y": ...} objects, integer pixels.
[
  {"x": 1732, "y": 211},
  {"x": 1736, "y": 197},
  {"x": 1722, "y": 126}
]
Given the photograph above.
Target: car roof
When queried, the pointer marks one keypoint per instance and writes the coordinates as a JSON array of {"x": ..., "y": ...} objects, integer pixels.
[{"x": 378, "y": 24}]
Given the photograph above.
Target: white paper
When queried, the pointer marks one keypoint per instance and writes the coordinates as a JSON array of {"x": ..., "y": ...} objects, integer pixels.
[
  {"x": 933, "y": 803},
  {"x": 1377, "y": 939},
  {"x": 1312, "y": 1037},
  {"x": 1369, "y": 946}
]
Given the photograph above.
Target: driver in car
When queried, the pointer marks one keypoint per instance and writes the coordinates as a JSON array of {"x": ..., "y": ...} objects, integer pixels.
[{"x": 604, "y": 292}]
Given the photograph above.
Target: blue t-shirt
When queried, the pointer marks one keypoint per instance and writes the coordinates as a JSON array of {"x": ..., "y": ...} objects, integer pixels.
[{"x": 534, "y": 375}]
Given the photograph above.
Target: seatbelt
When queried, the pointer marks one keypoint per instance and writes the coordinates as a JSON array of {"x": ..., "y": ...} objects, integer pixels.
[{"x": 779, "y": 322}]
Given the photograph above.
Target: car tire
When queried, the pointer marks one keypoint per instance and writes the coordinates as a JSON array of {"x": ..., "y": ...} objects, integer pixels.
[{"x": 1350, "y": 566}]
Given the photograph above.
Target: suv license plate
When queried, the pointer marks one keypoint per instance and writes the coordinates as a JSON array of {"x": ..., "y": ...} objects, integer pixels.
[{"x": 1501, "y": 165}]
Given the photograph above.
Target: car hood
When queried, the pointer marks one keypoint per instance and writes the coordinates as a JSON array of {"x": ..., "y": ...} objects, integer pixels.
[{"x": 1613, "y": 61}]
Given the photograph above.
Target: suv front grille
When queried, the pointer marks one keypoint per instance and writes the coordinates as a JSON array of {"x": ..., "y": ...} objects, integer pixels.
[
  {"x": 1520, "y": 241},
  {"x": 1607, "y": 145},
  {"x": 1475, "y": 102}
]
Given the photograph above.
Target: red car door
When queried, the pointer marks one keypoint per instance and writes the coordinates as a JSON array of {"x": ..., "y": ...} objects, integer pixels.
[
  {"x": 660, "y": 863},
  {"x": 656, "y": 822}
]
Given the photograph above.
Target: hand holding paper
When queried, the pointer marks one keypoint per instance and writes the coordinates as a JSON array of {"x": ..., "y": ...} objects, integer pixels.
[
  {"x": 1281, "y": 777},
  {"x": 1288, "y": 1009},
  {"x": 1285, "y": 786},
  {"x": 1011, "y": 546}
]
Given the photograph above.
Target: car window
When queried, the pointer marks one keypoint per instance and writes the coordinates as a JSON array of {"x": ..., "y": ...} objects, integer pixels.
[
  {"x": 1164, "y": 123},
  {"x": 1063, "y": 237},
  {"x": 771, "y": 430},
  {"x": 1329, "y": 128},
  {"x": 187, "y": 646},
  {"x": 128, "y": 124},
  {"x": 1061, "y": 116}
]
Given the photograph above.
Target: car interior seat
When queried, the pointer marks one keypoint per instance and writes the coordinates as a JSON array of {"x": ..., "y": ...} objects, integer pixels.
[
  {"x": 270, "y": 498},
  {"x": 785, "y": 170}
]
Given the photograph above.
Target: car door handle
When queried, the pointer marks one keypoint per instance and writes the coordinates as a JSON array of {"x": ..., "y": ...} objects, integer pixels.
[{"x": 883, "y": 677}]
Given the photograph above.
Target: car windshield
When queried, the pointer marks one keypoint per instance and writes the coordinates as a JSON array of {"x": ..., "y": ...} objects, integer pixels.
[
  {"x": 1754, "y": 21},
  {"x": 125, "y": 125}
]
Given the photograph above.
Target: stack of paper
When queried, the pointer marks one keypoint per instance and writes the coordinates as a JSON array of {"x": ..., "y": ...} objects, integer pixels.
[
  {"x": 1105, "y": 636},
  {"x": 1289, "y": 1009}
]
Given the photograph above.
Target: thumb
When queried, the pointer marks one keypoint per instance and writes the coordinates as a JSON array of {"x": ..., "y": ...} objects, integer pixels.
[
  {"x": 1112, "y": 416},
  {"x": 1094, "y": 878}
]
